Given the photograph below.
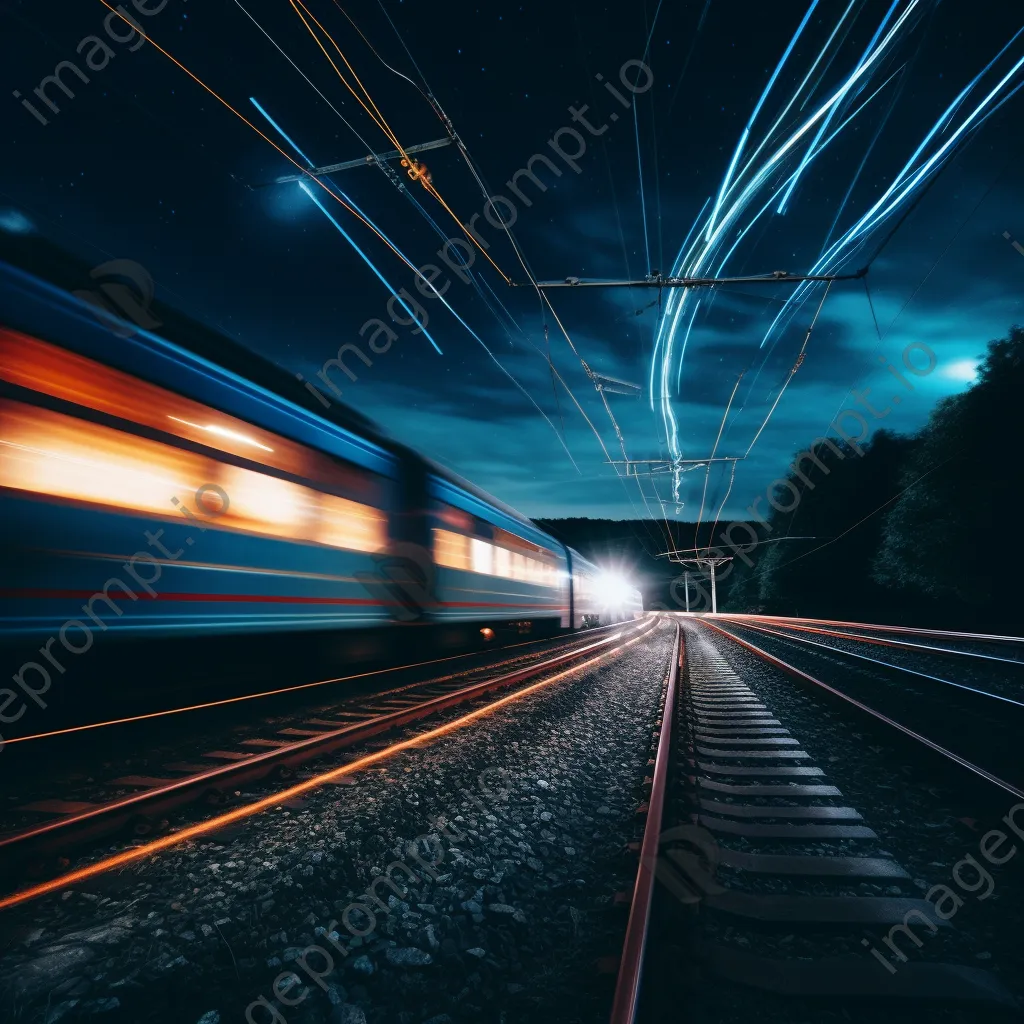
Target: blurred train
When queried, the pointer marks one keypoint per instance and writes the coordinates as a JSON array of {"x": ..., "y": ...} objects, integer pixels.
[{"x": 181, "y": 492}]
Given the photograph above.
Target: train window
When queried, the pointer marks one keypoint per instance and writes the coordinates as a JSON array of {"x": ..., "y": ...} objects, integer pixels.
[
  {"x": 451, "y": 550},
  {"x": 461, "y": 541},
  {"x": 481, "y": 556},
  {"x": 502, "y": 562},
  {"x": 54, "y": 371},
  {"x": 269, "y": 504},
  {"x": 520, "y": 566},
  {"x": 49, "y": 453},
  {"x": 348, "y": 524},
  {"x": 46, "y": 452},
  {"x": 472, "y": 554}
]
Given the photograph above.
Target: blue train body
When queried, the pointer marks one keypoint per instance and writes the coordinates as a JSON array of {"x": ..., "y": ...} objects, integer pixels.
[{"x": 149, "y": 491}]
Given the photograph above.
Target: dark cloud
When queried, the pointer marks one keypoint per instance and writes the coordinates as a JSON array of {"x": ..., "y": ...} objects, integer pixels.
[{"x": 143, "y": 164}]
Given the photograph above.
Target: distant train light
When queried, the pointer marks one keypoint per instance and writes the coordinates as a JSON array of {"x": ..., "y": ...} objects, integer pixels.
[
  {"x": 612, "y": 590},
  {"x": 487, "y": 633}
]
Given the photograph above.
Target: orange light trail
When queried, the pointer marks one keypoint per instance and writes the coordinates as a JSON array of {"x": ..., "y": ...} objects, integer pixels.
[
  {"x": 127, "y": 857},
  {"x": 378, "y": 118},
  {"x": 265, "y": 138},
  {"x": 469, "y": 234}
]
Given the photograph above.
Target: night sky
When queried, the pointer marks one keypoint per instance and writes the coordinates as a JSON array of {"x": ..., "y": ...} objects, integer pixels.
[{"x": 144, "y": 164}]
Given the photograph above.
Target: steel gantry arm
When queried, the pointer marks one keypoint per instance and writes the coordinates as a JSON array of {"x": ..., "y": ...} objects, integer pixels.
[{"x": 657, "y": 280}]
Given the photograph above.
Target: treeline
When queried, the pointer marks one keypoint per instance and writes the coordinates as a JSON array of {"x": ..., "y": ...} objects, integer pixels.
[{"x": 920, "y": 529}]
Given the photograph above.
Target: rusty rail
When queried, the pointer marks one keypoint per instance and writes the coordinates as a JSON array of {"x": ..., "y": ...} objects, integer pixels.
[
  {"x": 627, "y": 986},
  {"x": 912, "y": 630}
]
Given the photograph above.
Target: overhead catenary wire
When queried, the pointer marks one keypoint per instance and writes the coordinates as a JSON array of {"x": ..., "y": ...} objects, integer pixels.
[
  {"x": 881, "y": 337},
  {"x": 626, "y": 261},
  {"x": 639, "y": 158},
  {"x": 714, "y": 449},
  {"x": 413, "y": 168},
  {"x": 689, "y": 56},
  {"x": 796, "y": 366},
  {"x": 728, "y": 492},
  {"x": 643, "y": 204},
  {"x": 378, "y": 119},
  {"x": 479, "y": 282},
  {"x": 904, "y": 187},
  {"x": 246, "y": 121},
  {"x": 545, "y": 302},
  {"x": 318, "y": 181}
]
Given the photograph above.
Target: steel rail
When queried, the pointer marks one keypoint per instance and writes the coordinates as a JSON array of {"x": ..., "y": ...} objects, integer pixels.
[
  {"x": 76, "y": 829},
  {"x": 135, "y": 854},
  {"x": 627, "y": 987},
  {"x": 792, "y": 670},
  {"x": 513, "y": 650},
  {"x": 881, "y": 664},
  {"x": 885, "y": 641},
  {"x": 918, "y": 631}
]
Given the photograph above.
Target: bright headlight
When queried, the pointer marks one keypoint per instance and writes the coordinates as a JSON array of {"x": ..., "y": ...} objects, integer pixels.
[{"x": 612, "y": 590}]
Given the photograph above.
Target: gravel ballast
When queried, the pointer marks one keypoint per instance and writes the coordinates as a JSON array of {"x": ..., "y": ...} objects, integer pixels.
[{"x": 486, "y": 860}]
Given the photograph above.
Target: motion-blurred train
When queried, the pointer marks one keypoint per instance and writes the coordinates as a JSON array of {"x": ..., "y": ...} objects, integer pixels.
[{"x": 166, "y": 491}]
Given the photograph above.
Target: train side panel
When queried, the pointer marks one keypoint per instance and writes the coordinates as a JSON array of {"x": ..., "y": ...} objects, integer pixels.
[
  {"x": 96, "y": 566},
  {"x": 491, "y": 567},
  {"x": 107, "y": 477}
]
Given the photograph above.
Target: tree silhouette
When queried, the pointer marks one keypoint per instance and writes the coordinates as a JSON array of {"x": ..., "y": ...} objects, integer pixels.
[{"x": 953, "y": 535}]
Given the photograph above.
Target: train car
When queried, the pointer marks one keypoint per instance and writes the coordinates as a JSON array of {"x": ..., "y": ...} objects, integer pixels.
[
  {"x": 155, "y": 492},
  {"x": 138, "y": 477},
  {"x": 494, "y": 567}
]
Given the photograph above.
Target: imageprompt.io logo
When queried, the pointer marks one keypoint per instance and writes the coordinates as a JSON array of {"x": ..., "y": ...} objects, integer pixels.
[
  {"x": 122, "y": 297},
  {"x": 688, "y": 857},
  {"x": 403, "y": 581}
]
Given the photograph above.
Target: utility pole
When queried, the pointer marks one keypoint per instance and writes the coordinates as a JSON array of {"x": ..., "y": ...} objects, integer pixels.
[
  {"x": 686, "y": 591},
  {"x": 705, "y": 563}
]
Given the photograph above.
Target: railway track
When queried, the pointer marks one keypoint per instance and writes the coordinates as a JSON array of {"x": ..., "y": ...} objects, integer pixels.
[
  {"x": 941, "y": 640},
  {"x": 757, "y": 871},
  {"x": 969, "y": 722},
  {"x": 264, "y": 754}
]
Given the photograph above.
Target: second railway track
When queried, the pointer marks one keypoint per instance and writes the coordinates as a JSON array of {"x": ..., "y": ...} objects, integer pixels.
[
  {"x": 766, "y": 891},
  {"x": 962, "y": 721}
]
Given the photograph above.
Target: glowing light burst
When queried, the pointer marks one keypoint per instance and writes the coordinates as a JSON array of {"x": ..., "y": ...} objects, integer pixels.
[
  {"x": 963, "y": 370},
  {"x": 765, "y": 183}
]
